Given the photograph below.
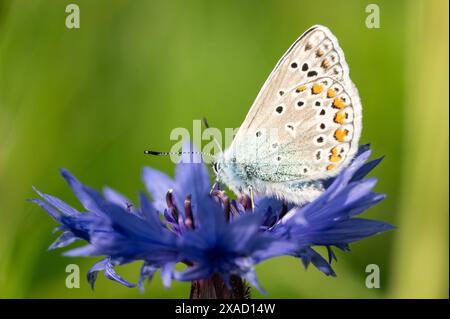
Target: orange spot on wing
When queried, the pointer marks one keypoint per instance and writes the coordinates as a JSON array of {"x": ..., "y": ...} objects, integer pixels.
[
  {"x": 335, "y": 157},
  {"x": 325, "y": 64},
  {"x": 340, "y": 134},
  {"x": 317, "y": 88},
  {"x": 340, "y": 117},
  {"x": 338, "y": 103},
  {"x": 334, "y": 151},
  {"x": 319, "y": 53},
  {"x": 331, "y": 93},
  {"x": 330, "y": 167},
  {"x": 300, "y": 88}
]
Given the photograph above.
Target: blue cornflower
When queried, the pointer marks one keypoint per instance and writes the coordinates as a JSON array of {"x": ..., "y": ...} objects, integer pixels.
[
  {"x": 214, "y": 236},
  {"x": 331, "y": 220},
  {"x": 113, "y": 228}
]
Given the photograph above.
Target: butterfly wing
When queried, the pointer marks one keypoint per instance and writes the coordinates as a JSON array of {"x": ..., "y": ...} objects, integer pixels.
[{"x": 305, "y": 123}]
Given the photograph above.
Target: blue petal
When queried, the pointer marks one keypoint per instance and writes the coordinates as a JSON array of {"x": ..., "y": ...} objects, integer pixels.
[
  {"x": 84, "y": 225},
  {"x": 167, "y": 273},
  {"x": 84, "y": 251},
  {"x": 120, "y": 200},
  {"x": 263, "y": 203},
  {"x": 58, "y": 203},
  {"x": 362, "y": 149},
  {"x": 193, "y": 273},
  {"x": 309, "y": 255},
  {"x": 86, "y": 195},
  {"x": 146, "y": 274},
  {"x": 272, "y": 208},
  {"x": 274, "y": 248},
  {"x": 191, "y": 177},
  {"x": 242, "y": 229},
  {"x": 111, "y": 274},
  {"x": 366, "y": 169},
  {"x": 320, "y": 263},
  {"x": 365, "y": 203},
  {"x": 157, "y": 184},
  {"x": 48, "y": 208},
  {"x": 341, "y": 205},
  {"x": 150, "y": 214},
  {"x": 250, "y": 276},
  {"x": 133, "y": 226},
  {"x": 348, "y": 231},
  {"x": 333, "y": 184},
  {"x": 93, "y": 272},
  {"x": 331, "y": 255},
  {"x": 209, "y": 217},
  {"x": 64, "y": 240}
]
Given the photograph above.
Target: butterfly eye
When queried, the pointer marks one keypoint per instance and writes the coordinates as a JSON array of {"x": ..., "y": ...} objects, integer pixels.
[{"x": 216, "y": 167}]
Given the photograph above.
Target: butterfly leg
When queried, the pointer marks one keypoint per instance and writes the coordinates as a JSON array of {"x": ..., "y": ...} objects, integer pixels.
[
  {"x": 252, "y": 198},
  {"x": 213, "y": 188}
]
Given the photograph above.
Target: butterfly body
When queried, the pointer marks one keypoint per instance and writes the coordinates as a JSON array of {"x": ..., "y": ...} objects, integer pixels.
[
  {"x": 303, "y": 127},
  {"x": 249, "y": 176}
]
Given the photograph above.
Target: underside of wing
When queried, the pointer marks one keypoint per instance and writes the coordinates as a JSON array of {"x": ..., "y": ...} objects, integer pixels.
[{"x": 305, "y": 123}]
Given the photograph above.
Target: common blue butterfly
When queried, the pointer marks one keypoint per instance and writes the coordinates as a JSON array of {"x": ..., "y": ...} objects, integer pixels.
[{"x": 303, "y": 127}]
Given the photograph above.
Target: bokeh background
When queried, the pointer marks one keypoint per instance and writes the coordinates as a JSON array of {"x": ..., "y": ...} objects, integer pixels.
[{"x": 92, "y": 99}]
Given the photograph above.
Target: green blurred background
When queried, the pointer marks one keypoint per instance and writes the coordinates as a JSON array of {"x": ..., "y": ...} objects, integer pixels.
[{"x": 92, "y": 99}]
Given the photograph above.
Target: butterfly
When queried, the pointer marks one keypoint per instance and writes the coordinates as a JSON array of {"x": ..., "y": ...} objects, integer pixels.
[{"x": 303, "y": 127}]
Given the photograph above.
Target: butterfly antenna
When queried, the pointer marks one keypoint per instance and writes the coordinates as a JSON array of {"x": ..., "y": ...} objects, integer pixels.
[
  {"x": 205, "y": 122},
  {"x": 156, "y": 153}
]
